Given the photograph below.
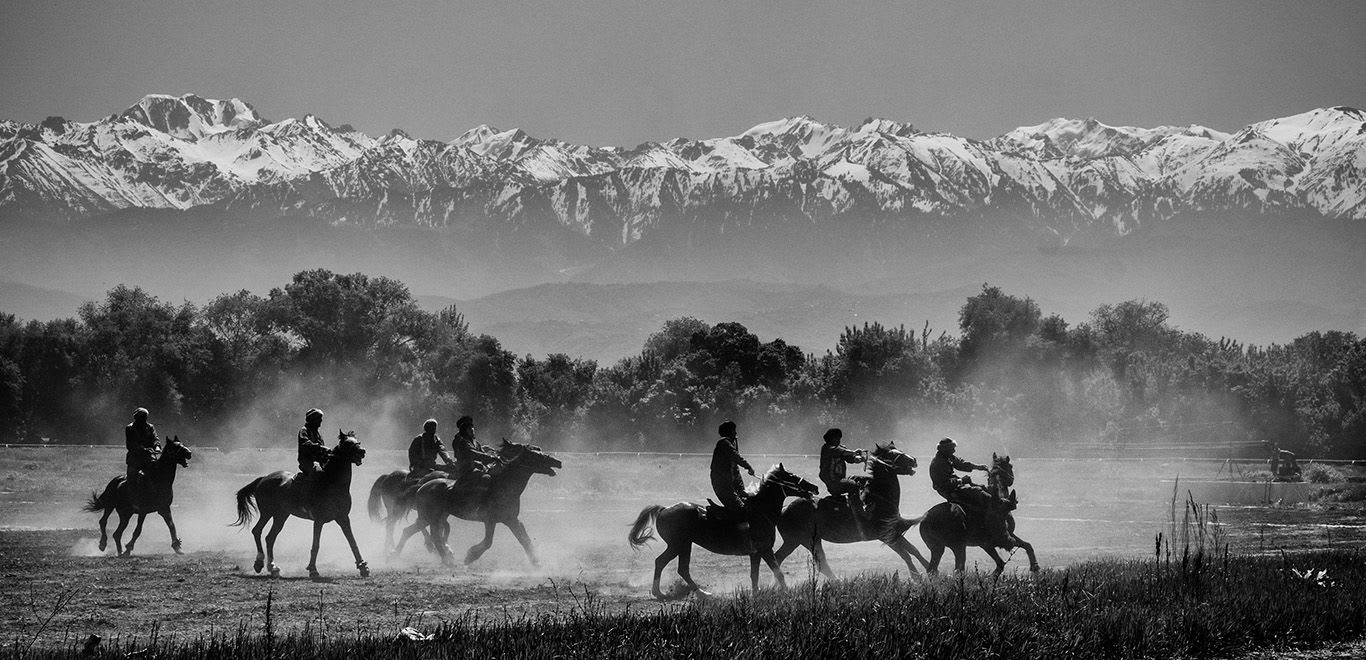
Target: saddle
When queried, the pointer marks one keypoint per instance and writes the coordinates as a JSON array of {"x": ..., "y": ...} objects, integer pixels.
[{"x": 719, "y": 513}]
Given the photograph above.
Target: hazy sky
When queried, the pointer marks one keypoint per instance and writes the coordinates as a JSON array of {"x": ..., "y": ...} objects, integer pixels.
[{"x": 621, "y": 72}]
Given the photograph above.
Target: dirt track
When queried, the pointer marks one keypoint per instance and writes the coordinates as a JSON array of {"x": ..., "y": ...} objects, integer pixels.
[{"x": 55, "y": 586}]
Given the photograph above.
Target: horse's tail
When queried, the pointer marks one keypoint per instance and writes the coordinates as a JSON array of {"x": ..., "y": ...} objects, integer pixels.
[
  {"x": 905, "y": 524},
  {"x": 642, "y": 531},
  {"x": 377, "y": 498},
  {"x": 246, "y": 502},
  {"x": 103, "y": 500}
]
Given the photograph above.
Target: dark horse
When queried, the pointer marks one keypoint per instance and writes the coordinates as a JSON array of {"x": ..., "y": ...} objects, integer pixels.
[
  {"x": 151, "y": 494},
  {"x": 492, "y": 499},
  {"x": 806, "y": 523},
  {"x": 325, "y": 497},
  {"x": 684, "y": 524},
  {"x": 951, "y": 526}
]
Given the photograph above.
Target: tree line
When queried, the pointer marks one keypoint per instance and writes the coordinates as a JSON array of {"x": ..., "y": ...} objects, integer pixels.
[{"x": 245, "y": 364}]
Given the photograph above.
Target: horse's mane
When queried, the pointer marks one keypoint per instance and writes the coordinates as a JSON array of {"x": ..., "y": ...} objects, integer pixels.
[{"x": 754, "y": 488}]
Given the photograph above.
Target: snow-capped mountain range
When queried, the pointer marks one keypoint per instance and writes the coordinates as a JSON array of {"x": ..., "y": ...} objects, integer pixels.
[{"x": 169, "y": 152}]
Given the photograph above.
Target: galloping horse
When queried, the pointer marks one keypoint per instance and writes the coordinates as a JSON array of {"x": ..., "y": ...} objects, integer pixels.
[
  {"x": 684, "y": 524},
  {"x": 152, "y": 494},
  {"x": 280, "y": 495},
  {"x": 952, "y": 526},
  {"x": 500, "y": 501},
  {"x": 806, "y": 523},
  {"x": 386, "y": 500}
]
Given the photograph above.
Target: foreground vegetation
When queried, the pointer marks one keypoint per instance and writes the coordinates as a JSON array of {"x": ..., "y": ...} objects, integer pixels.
[
  {"x": 1193, "y": 605},
  {"x": 361, "y": 348}
]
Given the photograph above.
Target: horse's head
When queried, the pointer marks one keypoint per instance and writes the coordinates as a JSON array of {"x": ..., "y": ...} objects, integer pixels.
[
  {"x": 1001, "y": 472},
  {"x": 348, "y": 448},
  {"x": 528, "y": 457},
  {"x": 890, "y": 457},
  {"x": 175, "y": 452},
  {"x": 791, "y": 484}
]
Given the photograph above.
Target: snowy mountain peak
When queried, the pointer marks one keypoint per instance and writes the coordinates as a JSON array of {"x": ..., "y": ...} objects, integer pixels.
[
  {"x": 886, "y": 126},
  {"x": 191, "y": 117}
]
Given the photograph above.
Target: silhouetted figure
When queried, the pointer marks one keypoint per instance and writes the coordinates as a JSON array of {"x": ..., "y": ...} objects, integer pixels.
[
  {"x": 832, "y": 473},
  {"x": 471, "y": 455},
  {"x": 424, "y": 451},
  {"x": 312, "y": 449},
  {"x": 959, "y": 490},
  {"x": 141, "y": 439},
  {"x": 726, "y": 462}
]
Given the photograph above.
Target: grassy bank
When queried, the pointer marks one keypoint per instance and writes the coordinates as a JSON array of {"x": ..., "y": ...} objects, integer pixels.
[{"x": 1191, "y": 606}]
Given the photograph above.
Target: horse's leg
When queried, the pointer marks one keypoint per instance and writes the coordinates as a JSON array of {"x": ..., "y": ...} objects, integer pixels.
[
  {"x": 478, "y": 549},
  {"x": 960, "y": 557},
  {"x": 767, "y": 555},
  {"x": 256, "y": 534},
  {"x": 104, "y": 538},
  {"x": 936, "y": 553},
  {"x": 137, "y": 531},
  {"x": 344, "y": 523},
  {"x": 684, "y": 564},
  {"x": 1029, "y": 550},
  {"x": 279, "y": 523},
  {"x": 313, "y": 554},
  {"x": 170, "y": 524},
  {"x": 754, "y": 572},
  {"x": 905, "y": 549},
  {"x": 996, "y": 557},
  {"x": 660, "y": 562},
  {"x": 519, "y": 531},
  {"x": 407, "y": 532},
  {"x": 118, "y": 533}
]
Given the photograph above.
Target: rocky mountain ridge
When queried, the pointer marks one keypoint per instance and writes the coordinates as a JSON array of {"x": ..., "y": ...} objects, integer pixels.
[{"x": 1061, "y": 176}]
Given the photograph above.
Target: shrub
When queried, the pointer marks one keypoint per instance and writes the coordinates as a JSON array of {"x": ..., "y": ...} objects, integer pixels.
[{"x": 1320, "y": 473}]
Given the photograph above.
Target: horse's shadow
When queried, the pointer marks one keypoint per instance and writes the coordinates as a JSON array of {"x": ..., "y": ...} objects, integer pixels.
[{"x": 296, "y": 578}]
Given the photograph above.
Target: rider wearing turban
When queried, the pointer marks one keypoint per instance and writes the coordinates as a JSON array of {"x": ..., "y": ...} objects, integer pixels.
[
  {"x": 425, "y": 449},
  {"x": 141, "y": 440},
  {"x": 726, "y": 462},
  {"x": 312, "y": 449}
]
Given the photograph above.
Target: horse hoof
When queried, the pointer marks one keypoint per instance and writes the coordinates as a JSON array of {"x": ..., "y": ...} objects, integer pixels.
[
  {"x": 274, "y": 571},
  {"x": 313, "y": 574},
  {"x": 1033, "y": 568},
  {"x": 364, "y": 569},
  {"x": 259, "y": 565},
  {"x": 176, "y": 547},
  {"x": 103, "y": 545}
]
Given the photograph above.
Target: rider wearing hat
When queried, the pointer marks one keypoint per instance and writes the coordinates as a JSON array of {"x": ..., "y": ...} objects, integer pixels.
[
  {"x": 962, "y": 492},
  {"x": 424, "y": 451},
  {"x": 833, "y": 457},
  {"x": 312, "y": 449},
  {"x": 470, "y": 454},
  {"x": 141, "y": 440},
  {"x": 726, "y": 462},
  {"x": 942, "y": 467}
]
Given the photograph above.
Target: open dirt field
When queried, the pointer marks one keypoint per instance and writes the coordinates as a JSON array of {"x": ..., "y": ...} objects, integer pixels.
[{"x": 57, "y": 586}]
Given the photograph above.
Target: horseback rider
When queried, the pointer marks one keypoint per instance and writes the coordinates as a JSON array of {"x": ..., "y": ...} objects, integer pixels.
[
  {"x": 960, "y": 490},
  {"x": 424, "y": 451},
  {"x": 832, "y": 473},
  {"x": 950, "y": 486},
  {"x": 141, "y": 439},
  {"x": 726, "y": 462},
  {"x": 470, "y": 454},
  {"x": 312, "y": 450}
]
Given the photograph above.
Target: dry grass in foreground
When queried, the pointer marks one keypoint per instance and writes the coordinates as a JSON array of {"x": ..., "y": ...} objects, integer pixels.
[{"x": 1190, "y": 605}]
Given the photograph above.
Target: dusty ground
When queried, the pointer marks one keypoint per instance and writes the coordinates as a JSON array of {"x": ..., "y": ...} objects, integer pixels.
[{"x": 55, "y": 585}]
